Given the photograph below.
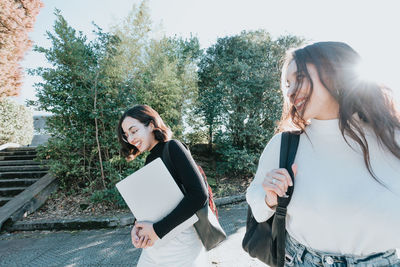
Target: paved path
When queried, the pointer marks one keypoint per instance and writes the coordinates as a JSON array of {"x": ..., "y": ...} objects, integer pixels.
[{"x": 112, "y": 247}]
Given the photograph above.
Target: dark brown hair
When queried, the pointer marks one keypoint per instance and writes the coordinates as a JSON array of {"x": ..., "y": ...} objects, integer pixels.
[
  {"x": 336, "y": 64},
  {"x": 145, "y": 115}
]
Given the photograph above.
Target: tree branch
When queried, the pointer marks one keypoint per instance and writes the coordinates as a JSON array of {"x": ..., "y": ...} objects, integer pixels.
[{"x": 97, "y": 132}]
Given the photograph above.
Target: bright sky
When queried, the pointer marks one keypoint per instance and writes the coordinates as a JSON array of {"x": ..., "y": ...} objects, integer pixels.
[{"x": 370, "y": 27}]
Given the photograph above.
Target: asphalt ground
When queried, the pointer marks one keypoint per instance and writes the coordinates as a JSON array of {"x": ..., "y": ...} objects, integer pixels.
[{"x": 112, "y": 247}]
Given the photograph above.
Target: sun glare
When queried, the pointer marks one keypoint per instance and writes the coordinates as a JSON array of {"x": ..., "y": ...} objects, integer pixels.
[
  {"x": 368, "y": 71},
  {"x": 380, "y": 73}
]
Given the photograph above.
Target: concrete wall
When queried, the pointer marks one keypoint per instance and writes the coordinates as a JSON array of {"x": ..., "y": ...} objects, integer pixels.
[{"x": 39, "y": 124}]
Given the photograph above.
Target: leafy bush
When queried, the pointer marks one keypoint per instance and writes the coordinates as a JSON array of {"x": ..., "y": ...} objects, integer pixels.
[
  {"x": 16, "y": 123},
  {"x": 86, "y": 101},
  {"x": 240, "y": 97},
  {"x": 87, "y": 91},
  {"x": 195, "y": 137},
  {"x": 235, "y": 161}
]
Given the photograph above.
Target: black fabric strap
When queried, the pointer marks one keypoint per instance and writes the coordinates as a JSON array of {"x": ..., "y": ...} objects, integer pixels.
[
  {"x": 289, "y": 144},
  {"x": 170, "y": 166}
]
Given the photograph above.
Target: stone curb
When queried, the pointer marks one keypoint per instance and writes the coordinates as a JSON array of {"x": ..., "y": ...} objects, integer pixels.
[
  {"x": 96, "y": 222},
  {"x": 229, "y": 200}
]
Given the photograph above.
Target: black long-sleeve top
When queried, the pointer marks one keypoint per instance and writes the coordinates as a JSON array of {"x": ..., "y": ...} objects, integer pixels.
[{"x": 185, "y": 173}]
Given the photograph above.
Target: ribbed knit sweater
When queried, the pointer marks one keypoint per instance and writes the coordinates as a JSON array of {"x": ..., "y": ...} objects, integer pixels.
[{"x": 336, "y": 206}]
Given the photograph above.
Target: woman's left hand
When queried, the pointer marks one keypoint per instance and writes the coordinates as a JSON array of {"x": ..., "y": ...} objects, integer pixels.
[{"x": 146, "y": 229}]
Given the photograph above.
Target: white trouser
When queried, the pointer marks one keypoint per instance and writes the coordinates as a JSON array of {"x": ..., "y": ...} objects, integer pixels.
[{"x": 184, "y": 250}]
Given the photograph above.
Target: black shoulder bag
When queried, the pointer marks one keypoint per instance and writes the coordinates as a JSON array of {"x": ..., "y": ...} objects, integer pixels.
[
  {"x": 266, "y": 241},
  {"x": 207, "y": 227}
]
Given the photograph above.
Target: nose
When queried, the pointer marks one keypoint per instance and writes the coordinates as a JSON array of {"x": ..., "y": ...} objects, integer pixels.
[{"x": 290, "y": 92}]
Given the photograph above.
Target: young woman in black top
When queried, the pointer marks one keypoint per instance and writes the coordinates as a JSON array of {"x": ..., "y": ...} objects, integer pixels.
[{"x": 142, "y": 129}]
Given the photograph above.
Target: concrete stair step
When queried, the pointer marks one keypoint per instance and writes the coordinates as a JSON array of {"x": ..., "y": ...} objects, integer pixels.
[
  {"x": 22, "y": 168},
  {"x": 203, "y": 158},
  {"x": 11, "y": 191},
  {"x": 16, "y": 182},
  {"x": 18, "y": 157},
  {"x": 22, "y": 174},
  {"x": 26, "y": 202},
  {"x": 205, "y": 165},
  {"x": 15, "y": 153},
  {"x": 4, "y": 200},
  {"x": 20, "y": 162}
]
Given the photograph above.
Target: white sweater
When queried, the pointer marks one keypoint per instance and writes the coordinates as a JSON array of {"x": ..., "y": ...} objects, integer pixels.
[{"x": 336, "y": 206}]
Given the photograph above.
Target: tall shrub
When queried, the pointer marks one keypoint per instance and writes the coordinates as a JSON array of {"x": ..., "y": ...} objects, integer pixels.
[
  {"x": 86, "y": 101},
  {"x": 240, "y": 97},
  {"x": 161, "y": 69},
  {"x": 87, "y": 90}
]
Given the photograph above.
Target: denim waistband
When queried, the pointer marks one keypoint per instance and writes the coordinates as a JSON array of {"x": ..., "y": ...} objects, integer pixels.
[{"x": 319, "y": 258}]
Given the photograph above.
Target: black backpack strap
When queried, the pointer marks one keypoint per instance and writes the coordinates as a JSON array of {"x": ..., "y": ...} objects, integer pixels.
[
  {"x": 167, "y": 158},
  {"x": 289, "y": 145},
  {"x": 170, "y": 166}
]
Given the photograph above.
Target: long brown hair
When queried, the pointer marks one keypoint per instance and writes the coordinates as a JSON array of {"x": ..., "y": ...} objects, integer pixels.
[
  {"x": 146, "y": 115},
  {"x": 336, "y": 64}
]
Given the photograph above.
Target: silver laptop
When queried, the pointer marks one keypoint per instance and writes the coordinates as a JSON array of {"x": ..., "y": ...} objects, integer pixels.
[{"x": 151, "y": 193}]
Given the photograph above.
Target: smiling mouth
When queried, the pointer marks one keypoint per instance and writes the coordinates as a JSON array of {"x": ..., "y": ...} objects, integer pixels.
[
  {"x": 299, "y": 103},
  {"x": 137, "y": 144}
]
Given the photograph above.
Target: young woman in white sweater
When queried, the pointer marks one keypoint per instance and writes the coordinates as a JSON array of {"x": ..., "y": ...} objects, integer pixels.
[{"x": 345, "y": 208}]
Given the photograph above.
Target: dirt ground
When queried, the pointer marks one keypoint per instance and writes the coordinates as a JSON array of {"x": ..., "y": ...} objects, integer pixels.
[{"x": 60, "y": 205}]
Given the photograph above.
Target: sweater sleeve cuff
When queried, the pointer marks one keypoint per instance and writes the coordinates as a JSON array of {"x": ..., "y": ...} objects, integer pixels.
[
  {"x": 158, "y": 230},
  {"x": 261, "y": 211}
]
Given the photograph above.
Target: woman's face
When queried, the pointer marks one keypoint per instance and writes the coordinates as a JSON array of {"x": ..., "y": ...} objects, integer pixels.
[
  {"x": 138, "y": 135},
  {"x": 321, "y": 104}
]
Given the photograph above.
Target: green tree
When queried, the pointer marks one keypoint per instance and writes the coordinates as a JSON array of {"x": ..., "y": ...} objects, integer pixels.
[
  {"x": 168, "y": 79},
  {"x": 134, "y": 32},
  {"x": 210, "y": 94},
  {"x": 240, "y": 96},
  {"x": 86, "y": 102},
  {"x": 88, "y": 87},
  {"x": 162, "y": 71}
]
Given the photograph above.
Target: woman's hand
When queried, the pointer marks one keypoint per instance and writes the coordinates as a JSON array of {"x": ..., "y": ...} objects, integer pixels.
[
  {"x": 146, "y": 231},
  {"x": 276, "y": 184},
  {"x": 139, "y": 241}
]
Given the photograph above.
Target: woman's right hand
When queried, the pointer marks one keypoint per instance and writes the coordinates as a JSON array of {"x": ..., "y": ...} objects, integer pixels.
[
  {"x": 276, "y": 184},
  {"x": 137, "y": 241}
]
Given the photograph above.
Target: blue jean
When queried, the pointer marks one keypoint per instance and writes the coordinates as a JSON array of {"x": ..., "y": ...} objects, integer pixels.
[{"x": 299, "y": 255}]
